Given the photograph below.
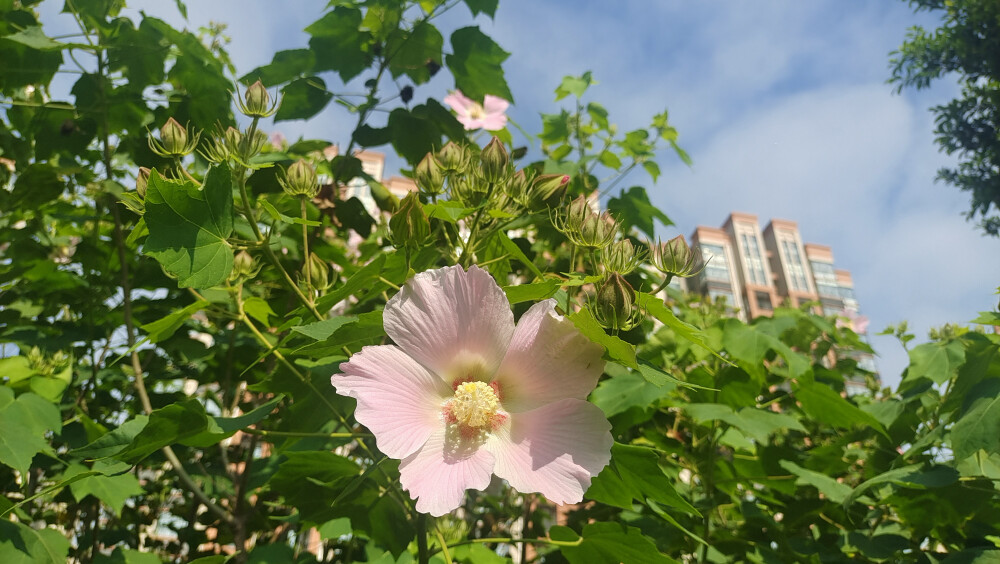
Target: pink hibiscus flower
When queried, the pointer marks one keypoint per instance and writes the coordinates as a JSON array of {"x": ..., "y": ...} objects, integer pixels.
[
  {"x": 489, "y": 116},
  {"x": 464, "y": 394}
]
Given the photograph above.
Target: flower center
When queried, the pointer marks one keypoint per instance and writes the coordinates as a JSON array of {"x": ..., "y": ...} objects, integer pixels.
[
  {"x": 475, "y": 404},
  {"x": 476, "y": 111}
]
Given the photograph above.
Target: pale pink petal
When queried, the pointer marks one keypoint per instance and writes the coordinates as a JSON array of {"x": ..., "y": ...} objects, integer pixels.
[
  {"x": 548, "y": 360},
  {"x": 459, "y": 103},
  {"x": 456, "y": 323},
  {"x": 555, "y": 449},
  {"x": 493, "y": 122},
  {"x": 495, "y": 105},
  {"x": 469, "y": 123},
  {"x": 399, "y": 401},
  {"x": 439, "y": 473}
]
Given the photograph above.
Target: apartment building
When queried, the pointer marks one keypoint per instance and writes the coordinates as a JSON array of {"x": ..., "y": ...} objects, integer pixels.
[{"x": 757, "y": 270}]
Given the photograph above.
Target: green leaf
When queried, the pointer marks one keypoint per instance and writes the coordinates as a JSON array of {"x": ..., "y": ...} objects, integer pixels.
[
  {"x": 113, "y": 486},
  {"x": 575, "y": 85},
  {"x": 625, "y": 390},
  {"x": 42, "y": 546},
  {"x": 534, "y": 292},
  {"x": 756, "y": 423},
  {"x": 339, "y": 44},
  {"x": 448, "y": 210},
  {"x": 113, "y": 441},
  {"x": 615, "y": 348},
  {"x": 37, "y": 414},
  {"x": 259, "y": 309},
  {"x": 613, "y": 542},
  {"x": 284, "y": 66},
  {"x": 412, "y": 52},
  {"x": 123, "y": 555},
  {"x": 189, "y": 227},
  {"x": 33, "y": 37},
  {"x": 475, "y": 62},
  {"x": 750, "y": 345},
  {"x": 166, "y": 426},
  {"x": 937, "y": 361},
  {"x": 18, "y": 443},
  {"x": 664, "y": 315},
  {"x": 987, "y": 318},
  {"x": 219, "y": 428},
  {"x": 164, "y": 327},
  {"x": 321, "y": 330},
  {"x": 15, "y": 369},
  {"x": 488, "y": 7},
  {"x": 303, "y": 98},
  {"x": 977, "y": 427},
  {"x": 361, "y": 279},
  {"x": 829, "y": 487},
  {"x": 635, "y": 210},
  {"x": 635, "y": 473},
  {"x": 826, "y": 406},
  {"x": 891, "y": 476}
]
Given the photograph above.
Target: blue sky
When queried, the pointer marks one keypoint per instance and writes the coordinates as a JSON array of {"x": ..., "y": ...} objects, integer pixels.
[{"x": 782, "y": 104}]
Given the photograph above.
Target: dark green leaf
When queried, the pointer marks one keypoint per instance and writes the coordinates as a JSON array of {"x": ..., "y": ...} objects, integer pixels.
[
  {"x": 303, "y": 98},
  {"x": 634, "y": 473},
  {"x": 166, "y": 326},
  {"x": 476, "y": 62},
  {"x": 189, "y": 227},
  {"x": 339, "y": 44},
  {"x": 937, "y": 361},
  {"x": 826, "y": 406},
  {"x": 285, "y": 66},
  {"x": 166, "y": 426},
  {"x": 615, "y": 348},
  {"x": 635, "y": 210},
  {"x": 613, "y": 542},
  {"x": 977, "y": 427}
]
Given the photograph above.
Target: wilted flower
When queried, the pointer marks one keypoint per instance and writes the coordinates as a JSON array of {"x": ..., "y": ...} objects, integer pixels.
[
  {"x": 490, "y": 115},
  {"x": 464, "y": 394}
]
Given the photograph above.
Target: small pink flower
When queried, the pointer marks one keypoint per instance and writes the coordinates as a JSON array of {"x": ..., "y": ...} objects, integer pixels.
[
  {"x": 489, "y": 116},
  {"x": 464, "y": 394}
]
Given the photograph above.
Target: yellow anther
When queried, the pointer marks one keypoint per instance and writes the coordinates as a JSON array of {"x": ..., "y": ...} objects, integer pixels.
[{"x": 475, "y": 404}]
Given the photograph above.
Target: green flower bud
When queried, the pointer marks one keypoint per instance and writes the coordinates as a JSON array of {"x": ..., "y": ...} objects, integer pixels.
[
  {"x": 244, "y": 267},
  {"x": 319, "y": 272},
  {"x": 495, "y": 160},
  {"x": 548, "y": 187},
  {"x": 233, "y": 139},
  {"x": 584, "y": 227},
  {"x": 518, "y": 188},
  {"x": 453, "y": 158},
  {"x": 141, "y": 181},
  {"x": 429, "y": 175},
  {"x": 622, "y": 257},
  {"x": 409, "y": 225},
  {"x": 615, "y": 305},
  {"x": 36, "y": 360},
  {"x": 174, "y": 140},
  {"x": 300, "y": 180},
  {"x": 257, "y": 101},
  {"x": 676, "y": 258}
]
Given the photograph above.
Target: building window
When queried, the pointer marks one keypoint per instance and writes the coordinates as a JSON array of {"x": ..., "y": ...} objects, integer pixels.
[
  {"x": 847, "y": 293},
  {"x": 754, "y": 260},
  {"x": 715, "y": 258},
  {"x": 796, "y": 272},
  {"x": 823, "y": 273},
  {"x": 830, "y": 290},
  {"x": 729, "y": 298},
  {"x": 763, "y": 300}
]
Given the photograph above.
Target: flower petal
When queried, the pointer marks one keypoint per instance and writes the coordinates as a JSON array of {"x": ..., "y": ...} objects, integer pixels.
[
  {"x": 493, "y": 123},
  {"x": 459, "y": 102},
  {"x": 398, "y": 399},
  {"x": 494, "y": 105},
  {"x": 548, "y": 360},
  {"x": 555, "y": 450},
  {"x": 452, "y": 321},
  {"x": 469, "y": 123},
  {"x": 439, "y": 473}
]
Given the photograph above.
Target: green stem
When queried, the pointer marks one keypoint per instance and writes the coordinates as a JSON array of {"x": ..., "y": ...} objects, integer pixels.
[
  {"x": 423, "y": 557},
  {"x": 510, "y": 540},
  {"x": 305, "y": 248}
]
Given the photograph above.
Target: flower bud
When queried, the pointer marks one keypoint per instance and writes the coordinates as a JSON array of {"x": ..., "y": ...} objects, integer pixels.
[
  {"x": 453, "y": 158},
  {"x": 584, "y": 227},
  {"x": 257, "y": 101},
  {"x": 174, "y": 137},
  {"x": 409, "y": 225},
  {"x": 300, "y": 180},
  {"x": 547, "y": 187},
  {"x": 141, "y": 181},
  {"x": 495, "y": 160},
  {"x": 233, "y": 139},
  {"x": 615, "y": 306},
  {"x": 675, "y": 258},
  {"x": 622, "y": 257},
  {"x": 319, "y": 272},
  {"x": 429, "y": 175},
  {"x": 244, "y": 267},
  {"x": 518, "y": 188}
]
